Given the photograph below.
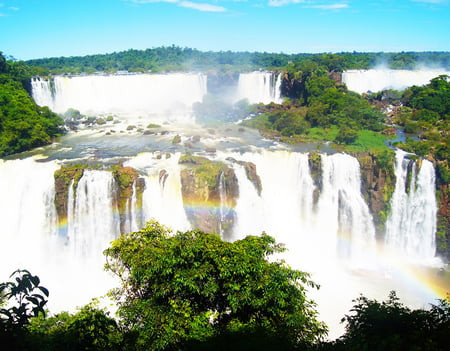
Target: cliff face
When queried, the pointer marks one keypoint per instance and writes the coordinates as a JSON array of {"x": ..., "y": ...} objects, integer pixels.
[
  {"x": 210, "y": 191},
  {"x": 127, "y": 182},
  {"x": 64, "y": 177},
  {"x": 443, "y": 222},
  {"x": 377, "y": 185}
]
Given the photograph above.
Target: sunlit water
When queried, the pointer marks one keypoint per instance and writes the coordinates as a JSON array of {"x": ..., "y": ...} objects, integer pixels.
[{"x": 331, "y": 235}]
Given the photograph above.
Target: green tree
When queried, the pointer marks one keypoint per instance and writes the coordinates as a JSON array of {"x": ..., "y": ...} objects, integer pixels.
[
  {"x": 346, "y": 135},
  {"x": 192, "y": 286},
  {"x": 89, "y": 329},
  {"x": 20, "y": 299},
  {"x": 390, "y": 325}
]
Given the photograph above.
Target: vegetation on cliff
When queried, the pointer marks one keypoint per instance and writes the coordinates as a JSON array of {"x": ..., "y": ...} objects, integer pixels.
[
  {"x": 425, "y": 112},
  {"x": 210, "y": 191},
  {"x": 23, "y": 124},
  {"x": 320, "y": 107}
]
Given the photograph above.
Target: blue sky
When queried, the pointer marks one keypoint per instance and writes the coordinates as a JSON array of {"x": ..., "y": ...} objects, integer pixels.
[{"x": 48, "y": 28}]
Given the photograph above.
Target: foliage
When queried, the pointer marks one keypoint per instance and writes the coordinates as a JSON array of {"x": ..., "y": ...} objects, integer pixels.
[
  {"x": 23, "y": 124},
  {"x": 90, "y": 329},
  {"x": 390, "y": 325},
  {"x": 346, "y": 135},
  {"x": 27, "y": 296},
  {"x": 20, "y": 300},
  {"x": 188, "y": 287},
  {"x": 429, "y": 111},
  {"x": 170, "y": 58}
]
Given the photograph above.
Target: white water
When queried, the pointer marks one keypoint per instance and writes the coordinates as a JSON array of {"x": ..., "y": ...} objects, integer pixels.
[
  {"x": 411, "y": 226},
  {"x": 154, "y": 97},
  {"x": 327, "y": 228},
  {"x": 339, "y": 226},
  {"x": 330, "y": 237},
  {"x": 259, "y": 87},
  {"x": 69, "y": 262},
  {"x": 149, "y": 98},
  {"x": 374, "y": 80}
]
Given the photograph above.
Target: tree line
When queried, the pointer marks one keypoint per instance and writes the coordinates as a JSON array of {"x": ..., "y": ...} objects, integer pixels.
[
  {"x": 175, "y": 58},
  {"x": 193, "y": 291}
]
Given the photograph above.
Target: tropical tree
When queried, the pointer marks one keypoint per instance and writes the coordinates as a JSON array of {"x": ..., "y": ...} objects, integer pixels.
[
  {"x": 20, "y": 300},
  {"x": 390, "y": 325},
  {"x": 182, "y": 288}
]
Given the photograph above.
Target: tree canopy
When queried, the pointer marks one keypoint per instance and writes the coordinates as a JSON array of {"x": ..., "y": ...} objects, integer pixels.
[
  {"x": 390, "y": 325},
  {"x": 192, "y": 286},
  {"x": 174, "y": 58},
  {"x": 23, "y": 124}
]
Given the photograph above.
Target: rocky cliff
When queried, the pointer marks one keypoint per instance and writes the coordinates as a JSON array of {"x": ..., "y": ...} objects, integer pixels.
[{"x": 210, "y": 191}]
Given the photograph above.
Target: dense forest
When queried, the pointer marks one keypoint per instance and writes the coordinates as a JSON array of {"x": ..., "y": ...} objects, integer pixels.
[
  {"x": 174, "y": 58},
  {"x": 194, "y": 291},
  {"x": 23, "y": 124}
]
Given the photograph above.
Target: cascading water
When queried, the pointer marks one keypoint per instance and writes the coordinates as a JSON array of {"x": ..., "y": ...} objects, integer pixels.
[
  {"x": 374, "y": 80},
  {"x": 162, "y": 197},
  {"x": 323, "y": 219},
  {"x": 151, "y": 96},
  {"x": 411, "y": 226},
  {"x": 93, "y": 212},
  {"x": 320, "y": 214},
  {"x": 342, "y": 203},
  {"x": 259, "y": 87}
]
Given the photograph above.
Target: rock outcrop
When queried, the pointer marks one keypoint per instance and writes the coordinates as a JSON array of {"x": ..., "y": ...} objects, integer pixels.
[
  {"x": 210, "y": 191},
  {"x": 128, "y": 184},
  {"x": 65, "y": 177},
  {"x": 378, "y": 184},
  {"x": 443, "y": 221}
]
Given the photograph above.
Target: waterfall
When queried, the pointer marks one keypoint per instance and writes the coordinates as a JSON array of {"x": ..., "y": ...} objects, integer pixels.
[
  {"x": 322, "y": 219},
  {"x": 92, "y": 225},
  {"x": 411, "y": 226},
  {"x": 259, "y": 87},
  {"x": 373, "y": 80},
  {"x": 27, "y": 213},
  {"x": 338, "y": 225},
  {"x": 162, "y": 198},
  {"x": 42, "y": 92},
  {"x": 345, "y": 210},
  {"x": 152, "y": 96}
]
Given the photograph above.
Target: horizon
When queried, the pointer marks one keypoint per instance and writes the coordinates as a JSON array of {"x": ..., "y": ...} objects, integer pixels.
[{"x": 50, "y": 28}]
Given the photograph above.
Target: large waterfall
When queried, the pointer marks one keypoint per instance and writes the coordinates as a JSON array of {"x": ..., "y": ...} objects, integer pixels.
[
  {"x": 374, "y": 80},
  {"x": 322, "y": 219},
  {"x": 136, "y": 95},
  {"x": 152, "y": 97},
  {"x": 317, "y": 208}
]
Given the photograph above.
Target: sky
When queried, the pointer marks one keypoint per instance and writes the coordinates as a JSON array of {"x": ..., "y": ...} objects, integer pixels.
[{"x": 52, "y": 28}]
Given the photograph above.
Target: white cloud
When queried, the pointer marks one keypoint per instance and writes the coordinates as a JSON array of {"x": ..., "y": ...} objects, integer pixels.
[
  {"x": 187, "y": 4},
  {"x": 277, "y": 3},
  {"x": 432, "y": 1},
  {"x": 150, "y": 1},
  {"x": 202, "y": 7},
  {"x": 329, "y": 7},
  {"x": 14, "y": 8}
]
